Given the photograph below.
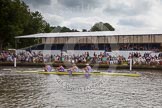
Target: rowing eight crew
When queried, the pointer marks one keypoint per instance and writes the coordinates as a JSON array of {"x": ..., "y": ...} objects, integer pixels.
[{"x": 74, "y": 68}]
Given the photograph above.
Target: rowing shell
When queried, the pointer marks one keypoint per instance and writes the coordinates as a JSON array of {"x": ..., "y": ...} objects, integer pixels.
[{"x": 82, "y": 73}]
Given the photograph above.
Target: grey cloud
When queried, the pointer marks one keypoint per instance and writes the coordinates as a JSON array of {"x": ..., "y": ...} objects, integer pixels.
[
  {"x": 132, "y": 22},
  {"x": 55, "y": 20},
  {"x": 121, "y": 8},
  {"x": 81, "y": 4},
  {"x": 79, "y": 26},
  {"x": 36, "y": 3},
  {"x": 60, "y": 12}
]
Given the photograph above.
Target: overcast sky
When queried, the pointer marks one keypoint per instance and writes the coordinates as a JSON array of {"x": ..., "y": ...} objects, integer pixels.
[{"x": 82, "y": 14}]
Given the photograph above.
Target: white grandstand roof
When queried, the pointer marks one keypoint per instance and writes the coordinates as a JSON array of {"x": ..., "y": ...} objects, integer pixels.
[{"x": 84, "y": 34}]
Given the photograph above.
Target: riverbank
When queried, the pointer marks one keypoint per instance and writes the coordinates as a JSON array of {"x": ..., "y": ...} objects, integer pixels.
[{"x": 81, "y": 65}]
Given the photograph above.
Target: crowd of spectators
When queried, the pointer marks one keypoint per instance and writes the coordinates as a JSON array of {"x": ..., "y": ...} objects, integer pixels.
[
  {"x": 138, "y": 47},
  {"x": 82, "y": 58},
  {"x": 102, "y": 58},
  {"x": 32, "y": 57},
  {"x": 145, "y": 59},
  {"x": 7, "y": 56}
]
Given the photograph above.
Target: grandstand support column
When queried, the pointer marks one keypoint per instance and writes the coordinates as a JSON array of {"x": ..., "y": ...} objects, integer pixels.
[
  {"x": 15, "y": 62},
  {"x": 130, "y": 64},
  {"x": 160, "y": 46}
]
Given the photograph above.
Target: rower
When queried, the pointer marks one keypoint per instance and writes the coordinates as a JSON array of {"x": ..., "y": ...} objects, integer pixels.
[
  {"x": 60, "y": 68},
  {"x": 88, "y": 68},
  {"x": 74, "y": 68},
  {"x": 47, "y": 68}
]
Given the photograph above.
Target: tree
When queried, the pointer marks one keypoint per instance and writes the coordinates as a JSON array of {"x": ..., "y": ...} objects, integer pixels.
[
  {"x": 59, "y": 29},
  {"x": 47, "y": 28},
  {"x": 13, "y": 17},
  {"x": 74, "y": 30},
  {"x": 16, "y": 19},
  {"x": 65, "y": 29},
  {"x": 84, "y": 30},
  {"x": 56, "y": 29},
  {"x": 36, "y": 25},
  {"x": 102, "y": 27}
]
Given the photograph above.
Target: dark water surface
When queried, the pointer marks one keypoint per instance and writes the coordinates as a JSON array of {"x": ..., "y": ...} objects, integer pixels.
[{"x": 29, "y": 90}]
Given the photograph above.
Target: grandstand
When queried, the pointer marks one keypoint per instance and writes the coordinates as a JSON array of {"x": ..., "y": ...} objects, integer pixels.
[{"x": 103, "y": 40}]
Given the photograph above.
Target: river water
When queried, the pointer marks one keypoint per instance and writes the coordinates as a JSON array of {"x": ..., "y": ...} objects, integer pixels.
[{"x": 29, "y": 90}]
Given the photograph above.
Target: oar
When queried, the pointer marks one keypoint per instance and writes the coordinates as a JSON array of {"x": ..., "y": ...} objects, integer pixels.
[
  {"x": 6, "y": 69},
  {"x": 70, "y": 72},
  {"x": 86, "y": 74}
]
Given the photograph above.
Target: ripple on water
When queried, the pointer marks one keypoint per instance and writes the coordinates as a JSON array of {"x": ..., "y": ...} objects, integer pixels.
[{"x": 44, "y": 91}]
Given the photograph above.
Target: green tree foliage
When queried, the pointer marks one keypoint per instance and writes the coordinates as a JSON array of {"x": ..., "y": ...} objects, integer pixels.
[
  {"x": 56, "y": 29},
  {"x": 13, "y": 15},
  {"x": 84, "y": 30},
  {"x": 36, "y": 25},
  {"x": 59, "y": 29},
  {"x": 16, "y": 19},
  {"x": 102, "y": 27},
  {"x": 74, "y": 30},
  {"x": 65, "y": 29}
]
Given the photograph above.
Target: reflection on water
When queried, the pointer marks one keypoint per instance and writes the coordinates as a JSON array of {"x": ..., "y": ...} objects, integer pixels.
[{"x": 18, "y": 90}]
